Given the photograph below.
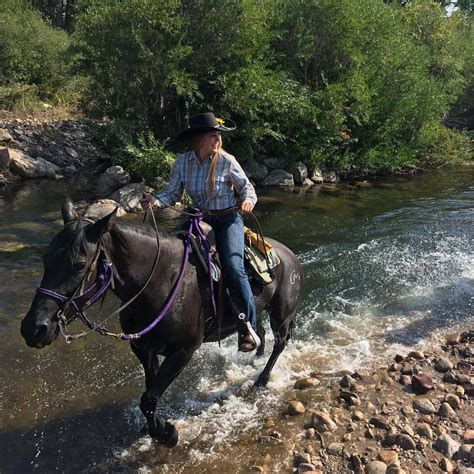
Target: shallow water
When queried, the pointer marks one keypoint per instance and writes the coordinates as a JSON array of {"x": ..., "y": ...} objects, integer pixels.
[{"x": 388, "y": 266}]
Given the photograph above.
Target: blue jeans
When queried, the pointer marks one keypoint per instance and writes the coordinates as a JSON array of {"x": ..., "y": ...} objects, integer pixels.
[{"x": 229, "y": 232}]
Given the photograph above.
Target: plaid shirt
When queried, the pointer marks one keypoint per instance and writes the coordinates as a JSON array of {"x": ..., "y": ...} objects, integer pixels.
[{"x": 191, "y": 175}]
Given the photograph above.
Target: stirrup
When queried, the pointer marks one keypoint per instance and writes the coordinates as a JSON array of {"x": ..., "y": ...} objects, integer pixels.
[{"x": 251, "y": 332}]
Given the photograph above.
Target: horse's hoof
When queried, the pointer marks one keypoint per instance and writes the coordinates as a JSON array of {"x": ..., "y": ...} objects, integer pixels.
[
  {"x": 170, "y": 436},
  {"x": 259, "y": 385}
]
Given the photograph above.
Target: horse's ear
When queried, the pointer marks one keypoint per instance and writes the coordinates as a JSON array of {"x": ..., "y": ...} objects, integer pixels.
[
  {"x": 101, "y": 227},
  {"x": 68, "y": 212}
]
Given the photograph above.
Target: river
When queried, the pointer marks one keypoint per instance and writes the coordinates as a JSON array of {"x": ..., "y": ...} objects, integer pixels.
[{"x": 388, "y": 267}]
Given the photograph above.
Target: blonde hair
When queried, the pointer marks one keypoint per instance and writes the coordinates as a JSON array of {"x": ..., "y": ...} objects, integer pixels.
[{"x": 195, "y": 145}]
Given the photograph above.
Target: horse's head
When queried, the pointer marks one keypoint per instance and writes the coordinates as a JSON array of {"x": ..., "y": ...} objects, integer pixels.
[{"x": 66, "y": 264}]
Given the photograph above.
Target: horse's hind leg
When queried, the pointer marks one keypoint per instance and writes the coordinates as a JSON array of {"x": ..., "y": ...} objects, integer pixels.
[{"x": 282, "y": 334}]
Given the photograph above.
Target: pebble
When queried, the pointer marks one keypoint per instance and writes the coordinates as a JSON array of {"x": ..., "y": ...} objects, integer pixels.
[
  {"x": 443, "y": 364},
  {"x": 399, "y": 358},
  {"x": 446, "y": 445},
  {"x": 466, "y": 452},
  {"x": 450, "y": 377},
  {"x": 446, "y": 411},
  {"x": 305, "y": 383},
  {"x": 421, "y": 383},
  {"x": 418, "y": 355},
  {"x": 306, "y": 467},
  {"x": 295, "y": 407},
  {"x": 424, "y": 429},
  {"x": 357, "y": 415},
  {"x": 408, "y": 410},
  {"x": 347, "y": 382},
  {"x": 323, "y": 422},
  {"x": 468, "y": 437},
  {"x": 375, "y": 467},
  {"x": 352, "y": 399},
  {"x": 424, "y": 406},
  {"x": 379, "y": 422},
  {"x": 406, "y": 442},
  {"x": 453, "y": 400},
  {"x": 302, "y": 458},
  {"x": 395, "y": 470},
  {"x": 388, "y": 457},
  {"x": 336, "y": 449},
  {"x": 310, "y": 432},
  {"x": 445, "y": 465},
  {"x": 404, "y": 379}
]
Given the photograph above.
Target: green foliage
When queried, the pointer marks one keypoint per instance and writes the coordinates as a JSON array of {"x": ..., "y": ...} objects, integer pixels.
[
  {"x": 31, "y": 52},
  {"x": 148, "y": 158}
]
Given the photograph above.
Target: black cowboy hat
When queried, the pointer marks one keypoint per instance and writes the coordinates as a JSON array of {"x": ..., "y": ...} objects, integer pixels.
[{"x": 206, "y": 122}]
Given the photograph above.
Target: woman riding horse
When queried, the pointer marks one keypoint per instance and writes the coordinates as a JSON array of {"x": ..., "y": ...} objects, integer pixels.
[{"x": 209, "y": 175}]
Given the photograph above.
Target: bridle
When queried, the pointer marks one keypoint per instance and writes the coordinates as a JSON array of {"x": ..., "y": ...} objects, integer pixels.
[{"x": 104, "y": 280}]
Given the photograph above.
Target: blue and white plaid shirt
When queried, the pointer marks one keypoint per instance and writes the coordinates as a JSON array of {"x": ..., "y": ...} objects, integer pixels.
[{"x": 191, "y": 175}]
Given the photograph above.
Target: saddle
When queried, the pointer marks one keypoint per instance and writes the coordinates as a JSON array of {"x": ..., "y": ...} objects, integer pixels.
[{"x": 260, "y": 257}]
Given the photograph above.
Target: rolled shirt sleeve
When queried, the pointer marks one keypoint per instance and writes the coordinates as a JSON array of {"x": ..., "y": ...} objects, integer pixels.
[
  {"x": 174, "y": 192},
  {"x": 241, "y": 183}
]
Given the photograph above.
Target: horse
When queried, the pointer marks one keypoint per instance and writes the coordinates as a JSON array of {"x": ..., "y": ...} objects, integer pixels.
[{"x": 71, "y": 259}]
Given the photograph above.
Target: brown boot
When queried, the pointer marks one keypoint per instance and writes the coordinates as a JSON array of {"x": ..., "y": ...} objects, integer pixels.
[{"x": 246, "y": 342}]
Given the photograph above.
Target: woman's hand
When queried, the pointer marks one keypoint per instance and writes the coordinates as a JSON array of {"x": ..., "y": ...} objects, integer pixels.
[
  {"x": 147, "y": 201},
  {"x": 246, "y": 207}
]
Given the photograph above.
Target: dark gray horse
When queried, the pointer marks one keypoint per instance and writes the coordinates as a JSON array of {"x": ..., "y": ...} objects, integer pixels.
[{"x": 131, "y": 249}]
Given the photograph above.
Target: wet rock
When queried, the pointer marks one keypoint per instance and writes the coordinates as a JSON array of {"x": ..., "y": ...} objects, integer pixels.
[
  {"x": 424, "y": 406},
  {"x": 278, "y": 177},
  {"x": 336, "y": 449},
  {"x": 114, "y": 178},
  {"x": 447, "y": 445},
  {"x": 322, "y": 422},
  {"x": 330, "y": 177},
  {"x": 295, "y": 407},
  {"x": 453, "y": 400},
  {"x": 307, "y": 183},
  {"x": 398, "y": 358},
  {"x": 388, "y": 456},
  {"x": 299, "y": 172},
  {"x": 361, "y": 374},
  {"x": 406, "y": 369},
  {"x": 352, "y": 399},
  {"x": 129, "y": 196},
  {"x": 376, "y": 467},
  {"x": 421, "y": 383},
  {"x": 452, "y": 340},
  {"x": 395, "y": 470},
  {"x": 424, "y": 429},
  {"x": 310, "y": 432},
  {"x": 418, "y": 355},
  {"x": 102, "y": 208},
  {"x": 443, "y": 364},
  {"x": 446, "y": 411},
  {"x": 316, "y": 176},
  {"x": 309, "y": 382}
]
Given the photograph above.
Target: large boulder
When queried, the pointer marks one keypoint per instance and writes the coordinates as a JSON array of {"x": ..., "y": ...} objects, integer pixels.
[
  {"x": 129, "y": 196},
  {"x": 316, "y": 176},
  {"x": 114, "y": 178},
  {"x": 275, "y": 163},
  {"x": 102, "y": 208},
  {"x": 299, "y": 172},
  {"x": 28, "y": 167},
  {"x": 255, "y": 171},
  {"x": 278, "y": 178}
]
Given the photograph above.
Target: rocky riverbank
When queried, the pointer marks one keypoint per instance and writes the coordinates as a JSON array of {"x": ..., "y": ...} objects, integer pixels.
[
  {"x": 417, "y": 415},
  {"x": 31, "y": 148}
]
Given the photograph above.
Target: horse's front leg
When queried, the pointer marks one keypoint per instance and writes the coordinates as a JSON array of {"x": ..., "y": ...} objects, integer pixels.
[{"x": 171, "y": 367}]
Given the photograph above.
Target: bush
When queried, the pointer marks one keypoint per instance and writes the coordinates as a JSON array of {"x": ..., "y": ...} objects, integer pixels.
[{"x": 32, "y": 56}]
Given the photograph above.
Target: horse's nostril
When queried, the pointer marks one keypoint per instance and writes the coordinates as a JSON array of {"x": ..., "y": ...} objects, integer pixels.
[{"x": 42, "y": 329}]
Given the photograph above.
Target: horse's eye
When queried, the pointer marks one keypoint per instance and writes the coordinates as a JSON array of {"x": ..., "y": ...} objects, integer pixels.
[{"x": 78, "y": 266}]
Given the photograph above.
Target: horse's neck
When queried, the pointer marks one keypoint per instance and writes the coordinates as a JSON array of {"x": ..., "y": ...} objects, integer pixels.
[{"x": 133, "y": 254}]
